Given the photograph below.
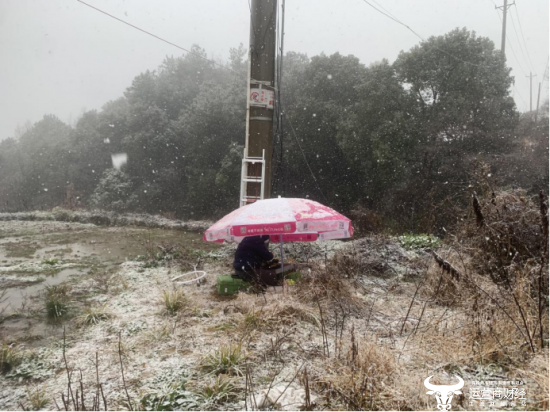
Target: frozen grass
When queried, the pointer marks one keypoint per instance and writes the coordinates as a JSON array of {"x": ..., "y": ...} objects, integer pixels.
[
  {"x": 174, "y": 301},
  {"x": 220, "y": 391},
  {"x": 9, "y": 357},
  {"x": 93, "y": 315},
  {"x": 50, "y": 261},
  {"x": 57, "y": 301},
  {"x": 173, "y": 397},
  {"x": 226, "y": 360},
  {"x": 37, "y": 398}
]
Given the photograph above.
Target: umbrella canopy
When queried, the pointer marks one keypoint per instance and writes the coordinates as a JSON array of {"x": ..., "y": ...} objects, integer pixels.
[{"x": 296, "y": 220}]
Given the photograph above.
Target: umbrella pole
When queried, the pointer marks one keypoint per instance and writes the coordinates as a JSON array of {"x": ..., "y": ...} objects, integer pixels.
[{"x": 282, "y": 260}]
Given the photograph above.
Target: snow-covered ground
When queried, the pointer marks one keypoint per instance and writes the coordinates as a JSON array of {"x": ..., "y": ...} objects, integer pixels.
[{"x": 359, "y": 311}]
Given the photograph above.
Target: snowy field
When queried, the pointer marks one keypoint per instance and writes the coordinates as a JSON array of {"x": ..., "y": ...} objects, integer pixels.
[{"x": 353, "y": 334}]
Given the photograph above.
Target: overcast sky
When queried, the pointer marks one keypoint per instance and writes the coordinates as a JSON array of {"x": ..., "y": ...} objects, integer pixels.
[{"x": 61, "y": 57}]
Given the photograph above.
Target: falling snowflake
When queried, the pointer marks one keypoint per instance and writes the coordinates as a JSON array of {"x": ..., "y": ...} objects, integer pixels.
[{"x": 119, "y": 160}]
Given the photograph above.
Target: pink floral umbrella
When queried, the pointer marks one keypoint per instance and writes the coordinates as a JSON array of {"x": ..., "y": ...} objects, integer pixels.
[{"x": 284, "y": 219}]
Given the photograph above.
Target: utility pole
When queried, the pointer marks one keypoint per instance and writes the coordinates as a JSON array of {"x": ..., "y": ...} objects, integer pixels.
[
  {"x": 504, "y": 9},
  {"x": 538, "y": 101},
  {"x": 531, "y": 91},
  {"x": 260, "y": 102}
]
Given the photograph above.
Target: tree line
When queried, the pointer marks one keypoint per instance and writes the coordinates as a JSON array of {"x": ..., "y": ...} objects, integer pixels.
[{"x": 398, "y": 145}]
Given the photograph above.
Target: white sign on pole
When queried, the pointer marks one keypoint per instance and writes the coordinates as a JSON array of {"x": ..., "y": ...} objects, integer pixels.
[{"x": 262, "y": 97}]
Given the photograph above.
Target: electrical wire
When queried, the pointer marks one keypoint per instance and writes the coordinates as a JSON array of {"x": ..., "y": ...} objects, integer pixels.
[
  {"x": 509, "y": 43},
  {"x": 521, "y": 30},
  {"x": 388, "y": 15},
  {"x": 530, "y": 66},
  {"x": 279, "y": 169},
  {"x": 395, "y": 20},
  {"x": 281, "y": 160},
  {"x": 383, "y": 8},
  {"x": 304, "y": 156},
  {"x": 157, "y": 37},
  {"x": 519, "y": 42},
  {"x": 520, "y": 96},
  {"x": 274, "y": 170}
]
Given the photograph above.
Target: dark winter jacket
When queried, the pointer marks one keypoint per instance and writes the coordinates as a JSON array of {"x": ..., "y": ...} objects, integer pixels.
[{"x": 251, "y": 252}]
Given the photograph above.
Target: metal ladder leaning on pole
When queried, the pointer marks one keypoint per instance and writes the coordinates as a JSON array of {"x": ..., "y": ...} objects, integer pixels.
[{"x": 245, "y": 198}]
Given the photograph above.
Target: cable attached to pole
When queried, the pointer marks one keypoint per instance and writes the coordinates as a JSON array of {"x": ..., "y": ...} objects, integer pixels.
[
  {"x": 157, "y": 37},
  {"x": 278, "y": 171}
]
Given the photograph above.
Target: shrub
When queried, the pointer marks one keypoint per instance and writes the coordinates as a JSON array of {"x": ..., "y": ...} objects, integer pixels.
[{"x": 509, "y": 229}]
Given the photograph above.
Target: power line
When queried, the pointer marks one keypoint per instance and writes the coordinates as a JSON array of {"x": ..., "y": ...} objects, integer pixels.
[
  {"x": 520, "y": 66},
  {"x": 279, "y": 170},
  {"x": 157, "y": 37},
  {"x": 521, "y": 30},
  {"x": 383, "y": 8},
  {"x": 388, "y": 15},
  {"x": 530, "y": 65},
  {"x": 422, "y": 38},
  {"x": 304, "y": 156},
  {"x": 511, "y": 48},
  {"x": 520, "y": 96},
  {"x": 395, "y": 20}
]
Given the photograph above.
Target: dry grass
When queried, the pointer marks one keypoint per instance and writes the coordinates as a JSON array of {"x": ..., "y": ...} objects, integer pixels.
[
  {"x": 362, "y": 380},
  {"x": 9, "y": 357},
  {"x": 537, "y": 372},
  {"x": 495, "y": 274},
  {"x": 37, "y": 398},
  {"x": 93, "y": 315},
  {"x": 325, "y": 283},
  {"x": 174, "y": 301},
  {"x": 508, "y": 228}
]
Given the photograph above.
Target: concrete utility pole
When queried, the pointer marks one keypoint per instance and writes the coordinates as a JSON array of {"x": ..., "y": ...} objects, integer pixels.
[
  {"x": 538, "y": 101},
  {"x": 531, "y": 91},
  {"x": 504, "y": 9},
  {"x": 261, "y": 96}
]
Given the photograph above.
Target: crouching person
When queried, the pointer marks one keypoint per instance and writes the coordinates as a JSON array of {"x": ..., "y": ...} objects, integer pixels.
[{"x": 251, "y": 255}]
